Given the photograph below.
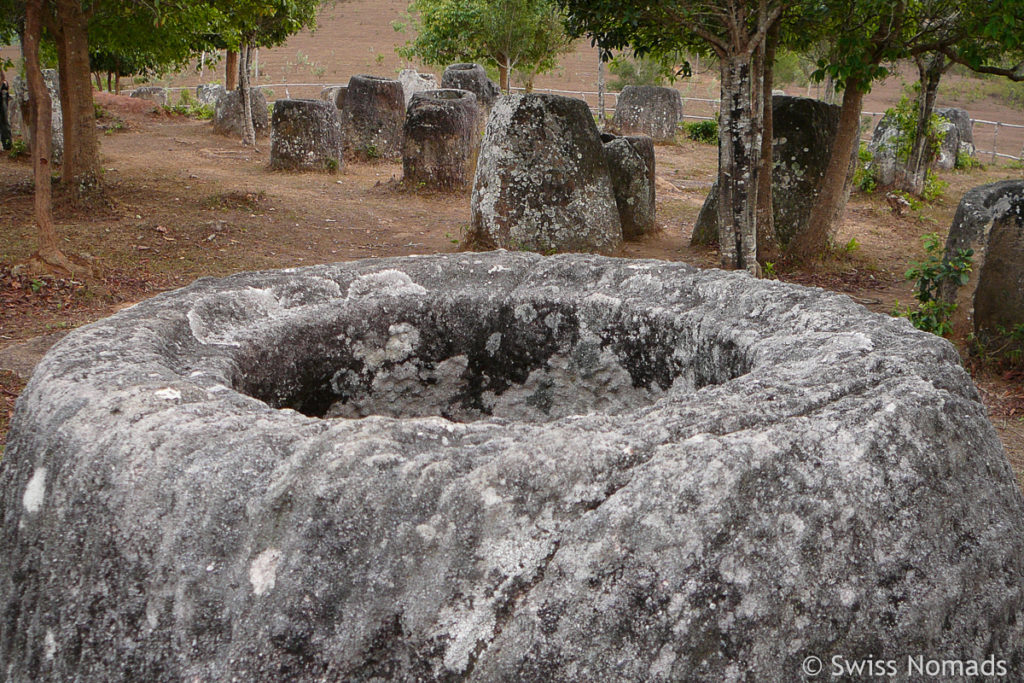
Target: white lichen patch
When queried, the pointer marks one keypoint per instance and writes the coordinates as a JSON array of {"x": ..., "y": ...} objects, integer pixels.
[
  {"x": 493, "y": 343},
  {"x": 49, "y": 646},
  {"x": 223, "y": 320},
  {"x": 263, "y": 571},
  {"x": 35, "y": 492},
  {"x": 384, "y": 283},
  {"x": 167, "y": 394},
  {"x": 402, "y": 343}
]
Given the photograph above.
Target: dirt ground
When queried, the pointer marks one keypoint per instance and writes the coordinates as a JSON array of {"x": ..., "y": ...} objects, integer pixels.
[{"x": 184, "y": 203}]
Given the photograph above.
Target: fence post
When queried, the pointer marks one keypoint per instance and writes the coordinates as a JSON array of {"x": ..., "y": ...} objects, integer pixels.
[{"x": 995, "y": 138}]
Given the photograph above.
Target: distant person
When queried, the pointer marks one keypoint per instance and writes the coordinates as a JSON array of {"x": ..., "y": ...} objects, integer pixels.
[{"x": 5, "y": 105}]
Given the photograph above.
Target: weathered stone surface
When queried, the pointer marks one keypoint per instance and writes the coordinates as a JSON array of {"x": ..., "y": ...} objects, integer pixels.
[
  {"x": 305, "y": 135},
  {"x": 989, "y": 220},
  {"x": 152, "y": 93},
  {"x": 965, "y": 129},
  {"x": 803, "y": 131},
  {"x": 686, "y": 475},
  {"x": 209, "y": 93},
  {"x": 473, "y": 77},
  {"x": 372, "y": 117},
  {"x": 945, "y": 158},
  {"x": 631, "y": 167},
  {"x": 441, "y": 139},
  {"x": 334, "y": 94},
  {"x": 542, "y": 183},
  {"x": 883, "y": 151},
  {"x": 20, "y": 113},
  {"x": 413, "y": 82},
  {"x": 649, "y": 110},
  {"x": 229, "y": 116}
]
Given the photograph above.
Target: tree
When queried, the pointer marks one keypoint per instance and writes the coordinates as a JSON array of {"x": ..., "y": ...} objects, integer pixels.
[
  {"x": 522, "y": 35},
  {"x": 866, "y": 34},
  {"x": 260, "y": 23},
  {"x": 737, "y": 32}
]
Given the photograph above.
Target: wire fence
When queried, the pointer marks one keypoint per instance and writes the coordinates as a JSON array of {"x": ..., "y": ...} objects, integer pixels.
[{"x": 698, "y": 108}]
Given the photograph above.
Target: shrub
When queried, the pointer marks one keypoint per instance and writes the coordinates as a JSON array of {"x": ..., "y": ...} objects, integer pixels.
[
  {"x": 864, "y": 176},
  {"x": 932, "y": 314},
  {"x": 705, "y": 131}
]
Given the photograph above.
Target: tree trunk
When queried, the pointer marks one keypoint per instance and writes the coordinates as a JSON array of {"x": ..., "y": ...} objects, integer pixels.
[
  {"x": 99, "y": 83},
  {"x": 248, "y": 130},
  {"x": 767, "y": 246},
  {"x": 738, "y": 159},
  {"x": 231, "y": 70},
  {"x": 117, "y": 84},
  {"x": 503, "y": 69},
  {"x": 110, "y": 77},
  {"x": 921, "y": 154},
  {"x": 601, "y": 119},
  {"x": 80, "y": 169},
  {"x": 831, "y": 201},
  {"x": 41, "y": 131}
]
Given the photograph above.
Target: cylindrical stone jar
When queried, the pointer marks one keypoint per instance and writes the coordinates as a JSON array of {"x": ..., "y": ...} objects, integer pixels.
[
  {"x": 305, "y": 136},
  {"x": 441, "y": 139}
]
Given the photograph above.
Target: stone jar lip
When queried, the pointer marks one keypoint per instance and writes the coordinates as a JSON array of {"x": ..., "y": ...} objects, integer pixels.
[
  {"x": 464, "y": 66},
  {"x": 303, "y": 100},
  {"x": 670, "y": 290},
  {"x": 368, "y": 77},
  {"x": 447, "y": 94}
]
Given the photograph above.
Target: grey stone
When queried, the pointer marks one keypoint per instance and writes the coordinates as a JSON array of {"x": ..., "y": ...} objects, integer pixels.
[
  {"x": 209, "y": 93},
  {"x": 334, "y": 94},
  {"x": 413, "y": 82},
  {"x": 989, "y": 220},
  {"x": 472, "y": 77},
  {"x": 372, "y": 117},
  {"x": 631, "y": 167},
  {"x": 649, "y": 110},
  {"x": 945, "y": 158},
  {"x": 964, "y": 127},
  {"x": 305, "y": 135},
  {"x": 20, "y": 112},
  {"x": 883, "y": 163},
  {"x": 152, "y": 93},
  {"x": 542, "y": 182},
  {"x": 441, "y": 139},
  {"x": 803, "y": 131},
  {"x": 658, "y": 473},
  {"x": 229, "y": 115}
]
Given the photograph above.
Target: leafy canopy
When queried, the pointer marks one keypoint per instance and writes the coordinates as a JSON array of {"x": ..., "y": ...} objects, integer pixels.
[{"x": 527, "y": 35}]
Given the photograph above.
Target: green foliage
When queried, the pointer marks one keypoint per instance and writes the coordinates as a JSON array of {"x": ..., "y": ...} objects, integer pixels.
[
  {"x": 640, "y": 71},
  {"x": 864, "y": 177},
  {"x": 705, "y": 131},
  {"x": 371, "y": 151},
  {"x": 933, "y": 314},
  {"x": 934, "y": 188},
  {"x": 768, "y": 271},
  {"x": 966, "y": 162},
  {"x": 18, "y": 148},
  {"x": 189, "y": 106},
  {"x": 904, "y": 118},
  {"x": 522, "y": 35}
]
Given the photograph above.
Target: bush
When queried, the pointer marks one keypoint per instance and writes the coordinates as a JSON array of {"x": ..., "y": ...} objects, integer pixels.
[
  {"x": 705, "y": 131},
  {"x": 189, "y": 106},
  {"x": 932, "y": 314},
  {"x": 864, "y": 177},
  {"x": 934, "y": 188}
]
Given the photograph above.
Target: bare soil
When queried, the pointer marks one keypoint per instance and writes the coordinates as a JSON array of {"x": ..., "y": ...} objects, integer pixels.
[{"x": 182, "y": 202}]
